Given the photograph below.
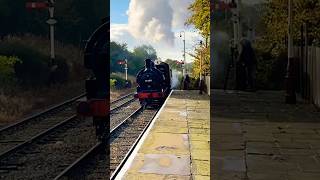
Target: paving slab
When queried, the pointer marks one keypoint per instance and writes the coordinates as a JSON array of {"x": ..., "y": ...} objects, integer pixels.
[
  {"x": 256, "y": 136},
  {"x": 178, "y": 144}
]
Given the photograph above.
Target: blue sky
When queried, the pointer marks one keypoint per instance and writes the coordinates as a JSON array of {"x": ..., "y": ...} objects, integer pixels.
[
  {"x": 154, "y": 22},
  {"x": 118, "y": 11}
]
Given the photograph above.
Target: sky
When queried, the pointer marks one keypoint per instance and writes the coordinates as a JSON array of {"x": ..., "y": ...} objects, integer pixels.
[{"x": 154, "y": 22}]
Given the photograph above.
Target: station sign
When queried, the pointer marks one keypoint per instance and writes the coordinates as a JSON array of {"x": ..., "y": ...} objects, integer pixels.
[
  {"x": 37, "y": 5},
  {"x": 121, "y": 62},
  {"x": 179, "y": 62}
]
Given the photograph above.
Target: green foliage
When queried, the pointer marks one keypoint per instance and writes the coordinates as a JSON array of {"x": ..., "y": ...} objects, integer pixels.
[
  {"x": 173, "y": 64},
  {"x": 7, "y": 69},
  {"x": 119, "y": 82},
  {"x": 76, "y": 19},
  {"x": 276, "y": 23},
  {"x": 200, "y": 18},
  {"x": 201, "y": 54},
  {"x": 194, "y": 83},
  {"x": 33, "y": 68},
  {"x": 113, "y": 83},
  {"x": 135, "y": 58}
]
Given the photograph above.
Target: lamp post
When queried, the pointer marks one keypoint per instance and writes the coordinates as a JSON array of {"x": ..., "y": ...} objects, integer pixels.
[
  {"x": 184, "y": 52},
  {"x": 51, "y": 21},
  {"x": 200, "y": 73},
  {"x": 126, "y": 69},
  {"x": 49, "y": 4},
  {"x": 290, "y": 79}
]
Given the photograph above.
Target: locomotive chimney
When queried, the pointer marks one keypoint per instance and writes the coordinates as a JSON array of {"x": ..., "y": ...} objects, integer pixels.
[{"x": 148, "y": 63}]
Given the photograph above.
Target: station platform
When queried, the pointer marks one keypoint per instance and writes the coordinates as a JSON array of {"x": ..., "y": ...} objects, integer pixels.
[
  {"x": 177, "y": 143},
  {"x": 256, "y": 136}
]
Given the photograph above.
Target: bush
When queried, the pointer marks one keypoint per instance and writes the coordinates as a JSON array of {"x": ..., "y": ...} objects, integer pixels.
[
  {"x": 194, "y": 83},
  {"x": 34, "y": 69},
  {"x": 61, "y": 73},
  {"x": 271, "y": 70},
  {"x": 120, "y": 82},
  {"x": 7, "y": 75},
  {"x": 113, "y": 83}
]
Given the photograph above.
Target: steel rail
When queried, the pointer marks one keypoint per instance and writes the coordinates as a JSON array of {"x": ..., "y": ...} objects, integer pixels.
[
  {"x": 121, "y": 98},
  {"x": 124, "y": 160},
  {"x": 91, "y": 152},
  {"x": 94, "y": 150},
  {"x": 52, "y": 108},
  {"x": 39, "y": 114},
  {"x": 36, "y": 137},
  {"x": 121, "y": 105}
]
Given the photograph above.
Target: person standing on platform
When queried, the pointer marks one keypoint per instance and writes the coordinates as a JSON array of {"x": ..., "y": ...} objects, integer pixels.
[
  {"x": 247, "y": 63},
  {"x": 186, "y": 82}
]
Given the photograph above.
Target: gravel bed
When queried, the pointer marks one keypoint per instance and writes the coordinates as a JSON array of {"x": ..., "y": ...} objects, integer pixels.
[
  {"x": 14, "y": 136},
  {"x": 118, "y": 103},
  {"x": 120, "y": 143},
  {"x": 123, "y": 139},
  {"x": 117, "y": 116},
  {"x": 50, "y": 155}
]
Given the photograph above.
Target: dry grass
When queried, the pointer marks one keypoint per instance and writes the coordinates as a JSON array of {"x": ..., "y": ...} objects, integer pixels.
[
  {"x": 114, "y": 94},
  {"x": 71, "y": 53},
  {"x": 17, "y": 102},
  {"x": 16, "y": 106}
]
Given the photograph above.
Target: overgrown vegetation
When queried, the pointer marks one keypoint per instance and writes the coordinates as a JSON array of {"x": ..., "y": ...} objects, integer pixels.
[
  {"x": 26, "y": 73},
  {"x": 76, "y": 19},
  {"x": 7, "y": 73},
  {"x": 200, "y": 19},
  {"x": 275, "y": 21},
  {"x": 135, "y": 58},
  {"x": 29, "y": 80},
  {"x": 271, "y": 47}
]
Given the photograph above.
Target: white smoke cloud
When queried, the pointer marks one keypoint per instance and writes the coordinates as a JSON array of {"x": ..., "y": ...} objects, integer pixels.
[
  {"x": 175, "y": 79},
  {"x": 180, "y": 13},
  {"x": 154, "y": 20},
  {"x": 158, "y": 23}
]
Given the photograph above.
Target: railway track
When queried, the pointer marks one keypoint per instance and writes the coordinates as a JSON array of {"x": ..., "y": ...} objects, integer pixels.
[
  {"x": 123, "y": 139},
  {"x": 121, "y": 102},
  {"x": 29, "y": 137},
  {"x": 31, "y": 128}
]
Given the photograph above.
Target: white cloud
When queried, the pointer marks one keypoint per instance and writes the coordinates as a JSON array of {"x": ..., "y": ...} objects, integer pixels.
[
  {"x": 151, "y": 20},
  {"x": 120, "y": 33},
  {"x": 157, "y": 24},
  {"x": 117, "y": 31},
  {"x": 180, "y": 13}
]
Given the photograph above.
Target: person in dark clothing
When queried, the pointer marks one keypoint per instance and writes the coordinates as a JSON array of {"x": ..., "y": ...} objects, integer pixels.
[
  {"x": 248, "y": 65},
  {"x": 186, "y": 82}
]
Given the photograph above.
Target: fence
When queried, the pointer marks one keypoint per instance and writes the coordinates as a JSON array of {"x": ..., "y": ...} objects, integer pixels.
[{"x": 308, "y": 73}]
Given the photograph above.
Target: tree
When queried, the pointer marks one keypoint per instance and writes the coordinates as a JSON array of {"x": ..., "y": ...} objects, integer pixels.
[
  {"x": 117, "y": 52},
  {"x": 76, "y": 19},
  {"x": 135, "y": 58},
  {"x": 173, "y": 64},
  {"x": 200, "y": 18},
  {"x": 201, "y": 54},
  {"x": 276, "y": 23}
]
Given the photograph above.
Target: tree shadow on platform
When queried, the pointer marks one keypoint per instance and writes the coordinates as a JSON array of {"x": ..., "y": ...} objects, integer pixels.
[{"x": 259, "y": 106}]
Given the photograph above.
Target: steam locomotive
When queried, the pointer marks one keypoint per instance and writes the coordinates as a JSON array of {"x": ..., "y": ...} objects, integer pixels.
[
  {"x": 154, "y": 83},
  {"x": 96, "y": 104}
]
